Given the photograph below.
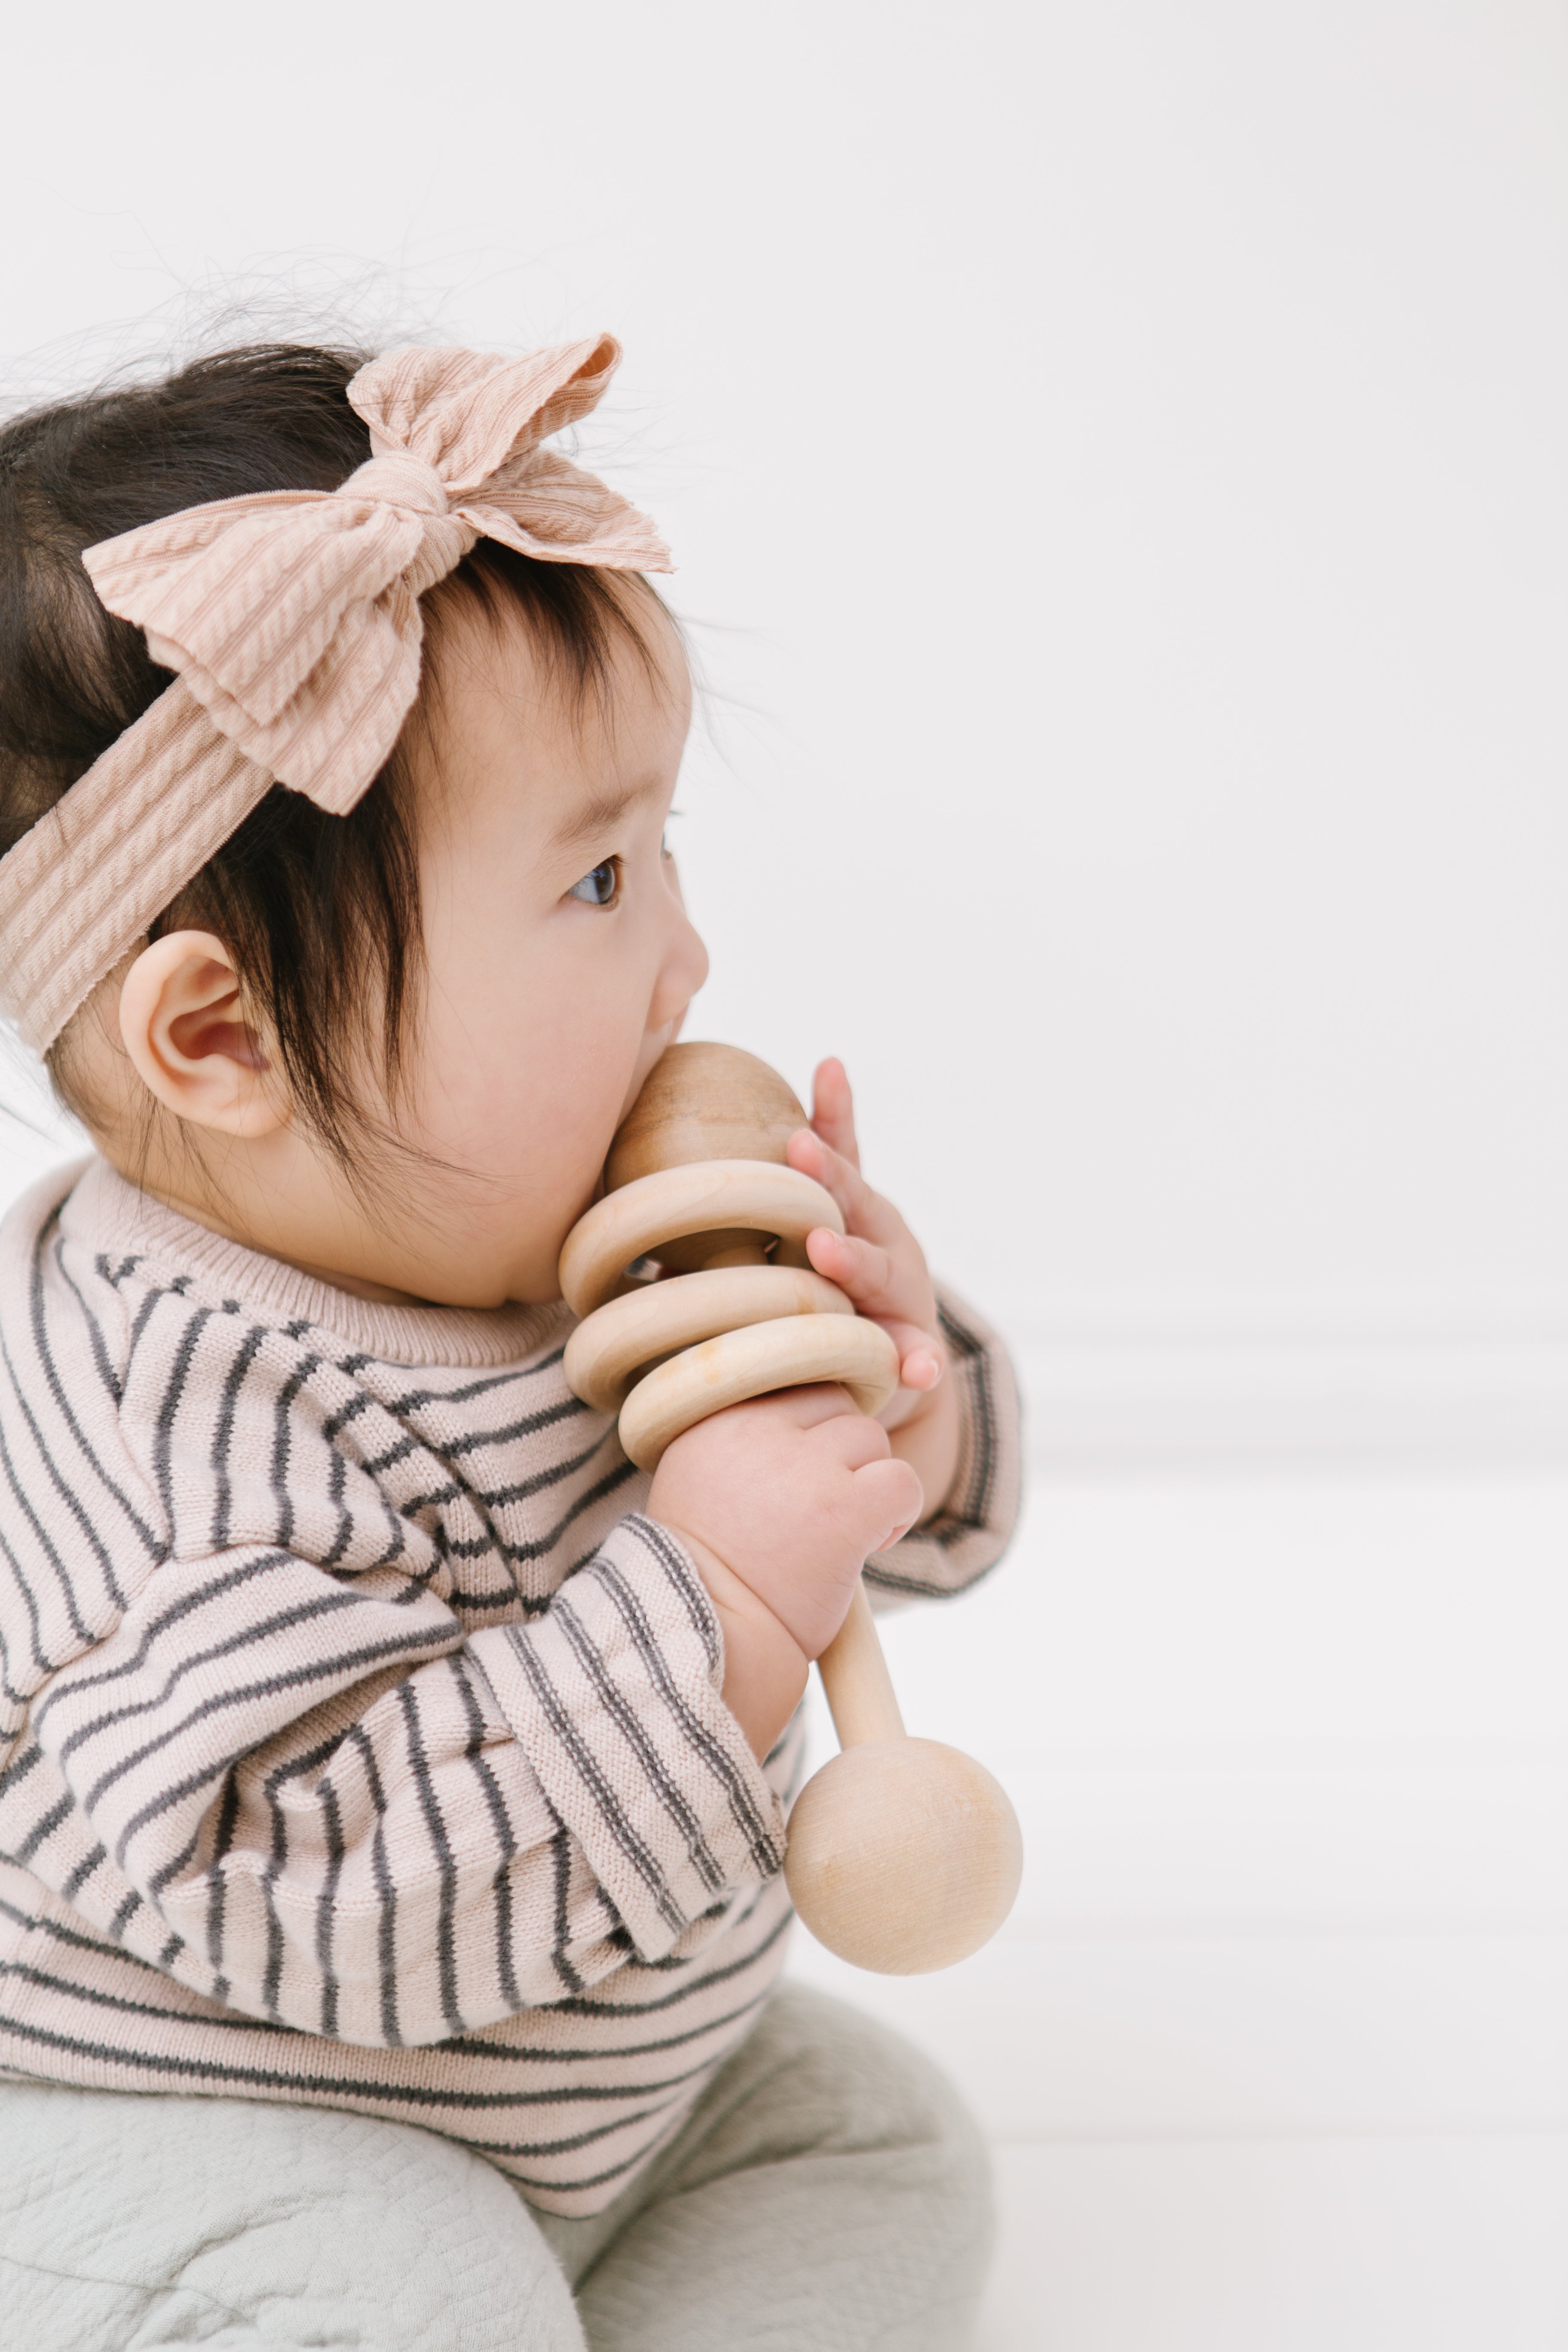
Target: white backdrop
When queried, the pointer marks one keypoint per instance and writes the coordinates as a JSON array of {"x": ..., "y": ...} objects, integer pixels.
[{"x": 1116, "y": 457}]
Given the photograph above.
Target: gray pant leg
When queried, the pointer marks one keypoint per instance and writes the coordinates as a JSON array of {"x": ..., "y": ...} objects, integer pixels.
[
  {"x": 131, "y": 2224},
  {"x": 829, "y": 2194}
]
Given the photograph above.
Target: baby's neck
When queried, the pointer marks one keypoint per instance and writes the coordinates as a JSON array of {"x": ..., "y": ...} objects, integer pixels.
[{"x": 233, "y": 1229}]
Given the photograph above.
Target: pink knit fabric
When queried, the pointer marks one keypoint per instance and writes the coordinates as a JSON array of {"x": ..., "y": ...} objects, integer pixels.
[{"x": 292, "y": 619}]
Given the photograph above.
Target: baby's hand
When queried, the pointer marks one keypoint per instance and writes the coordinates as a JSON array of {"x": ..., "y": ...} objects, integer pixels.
[
  {"x": 878, "y": 1263},
  {"x": 779, "y": 1502}
]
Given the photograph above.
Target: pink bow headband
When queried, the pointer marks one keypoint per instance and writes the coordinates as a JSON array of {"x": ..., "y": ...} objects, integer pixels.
[{"x": 293, "y": 620}]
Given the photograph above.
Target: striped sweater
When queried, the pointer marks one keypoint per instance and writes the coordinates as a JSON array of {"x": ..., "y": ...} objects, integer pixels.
[{"x": 361, "y": 1740}]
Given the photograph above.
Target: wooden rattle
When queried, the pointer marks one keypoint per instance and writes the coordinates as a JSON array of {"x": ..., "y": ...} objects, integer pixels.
[{"x": 904, "y": 1854}]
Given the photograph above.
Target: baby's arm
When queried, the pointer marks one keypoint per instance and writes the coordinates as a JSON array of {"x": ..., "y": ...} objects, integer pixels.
[{"x": 315, "y": 1800}]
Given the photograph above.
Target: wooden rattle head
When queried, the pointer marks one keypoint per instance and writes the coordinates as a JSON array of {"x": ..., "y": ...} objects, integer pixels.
[
  {"x": 703, "y": 1102},
  {"x": 697, "y": 1181}
]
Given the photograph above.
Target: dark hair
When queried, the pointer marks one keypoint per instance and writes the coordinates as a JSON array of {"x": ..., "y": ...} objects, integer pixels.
[{"x": 307, "y": 903}]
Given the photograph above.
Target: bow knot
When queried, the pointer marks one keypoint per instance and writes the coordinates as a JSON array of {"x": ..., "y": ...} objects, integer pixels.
[
  {"x": 398, "y": 478},
  {"x": 293, "y": 616}
]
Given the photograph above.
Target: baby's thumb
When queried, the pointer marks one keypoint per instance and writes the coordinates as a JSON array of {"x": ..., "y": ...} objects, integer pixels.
[{"x": 891, "y": 1499}]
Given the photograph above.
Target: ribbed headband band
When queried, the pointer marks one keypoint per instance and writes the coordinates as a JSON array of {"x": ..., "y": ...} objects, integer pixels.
[{"x": 293, "y": 620}]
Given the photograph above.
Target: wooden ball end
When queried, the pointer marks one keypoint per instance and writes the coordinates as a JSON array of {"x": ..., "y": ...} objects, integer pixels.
[{"x": 904, "y": 1856}]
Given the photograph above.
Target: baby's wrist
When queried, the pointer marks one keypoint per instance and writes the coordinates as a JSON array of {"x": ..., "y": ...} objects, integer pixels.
[
  {"x": 765, "y": 1668},
  {"x": 931, "y": 1441}
]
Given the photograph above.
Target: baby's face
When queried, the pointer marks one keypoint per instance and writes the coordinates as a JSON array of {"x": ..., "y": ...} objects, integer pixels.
[
  {"x": 559, "y": 959},
  {"x": 558, "y": 964}
]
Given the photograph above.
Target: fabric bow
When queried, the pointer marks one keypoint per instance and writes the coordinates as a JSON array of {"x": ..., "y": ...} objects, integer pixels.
[{"x": 293, "y": 617}]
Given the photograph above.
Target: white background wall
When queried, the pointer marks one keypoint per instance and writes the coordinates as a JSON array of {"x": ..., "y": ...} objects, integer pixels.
[{"x": 1117, "y": 455}]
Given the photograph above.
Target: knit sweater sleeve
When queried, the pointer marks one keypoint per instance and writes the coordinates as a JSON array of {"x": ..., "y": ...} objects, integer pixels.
[
  {"x": 319, "y": 1802},
  {"x": 976, "y": 1522}
]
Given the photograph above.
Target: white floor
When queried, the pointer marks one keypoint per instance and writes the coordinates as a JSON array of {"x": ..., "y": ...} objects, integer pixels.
[{"x": 1274, "y": 2053}]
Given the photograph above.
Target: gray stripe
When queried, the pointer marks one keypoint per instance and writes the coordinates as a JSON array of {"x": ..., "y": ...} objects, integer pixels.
[{"x": 589, "y": 1771}]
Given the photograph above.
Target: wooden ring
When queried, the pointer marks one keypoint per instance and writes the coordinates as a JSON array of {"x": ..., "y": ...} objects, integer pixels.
[
  {"x": 787, "y": 1354},
  {"x": 711, "y": 1195},
  {"x": 605, "y": 1354}
]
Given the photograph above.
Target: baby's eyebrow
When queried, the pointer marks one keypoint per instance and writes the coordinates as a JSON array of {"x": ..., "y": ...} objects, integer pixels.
[{"x": 598, "y": 813}]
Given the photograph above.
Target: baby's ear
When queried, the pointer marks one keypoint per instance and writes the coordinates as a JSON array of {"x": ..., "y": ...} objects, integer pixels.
[{"x": 181, "y": 1017}]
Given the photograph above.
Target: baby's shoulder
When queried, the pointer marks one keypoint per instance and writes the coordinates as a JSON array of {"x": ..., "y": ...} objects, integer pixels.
[
  {"x": 80, "y": 1526},
  {"x": 65, "y": 1324}
]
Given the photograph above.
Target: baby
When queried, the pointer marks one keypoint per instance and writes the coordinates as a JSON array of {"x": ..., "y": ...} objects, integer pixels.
[{"x": 392, "y": 1776}]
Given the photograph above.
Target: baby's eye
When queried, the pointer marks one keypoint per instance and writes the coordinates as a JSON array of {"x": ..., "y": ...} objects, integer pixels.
[{"x": 600, "y": 888}]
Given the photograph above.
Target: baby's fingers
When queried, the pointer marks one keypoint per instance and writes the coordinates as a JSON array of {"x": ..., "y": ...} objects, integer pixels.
[
  {"x": 864, "y": 1211},
  {"x": 833, "y": 1110},
  {"x": 888, "y": 1500},
  {"x": 863, "y": 1270},
  {"x": 888, "y": 1288}
]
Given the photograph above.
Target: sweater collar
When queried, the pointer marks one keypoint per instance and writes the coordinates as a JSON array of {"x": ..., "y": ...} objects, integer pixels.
[{"x": 103, "y": 1212}]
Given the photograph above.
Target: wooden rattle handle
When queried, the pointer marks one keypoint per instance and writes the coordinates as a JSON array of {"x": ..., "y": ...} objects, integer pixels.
[{"x": 855, "y": 1677}]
